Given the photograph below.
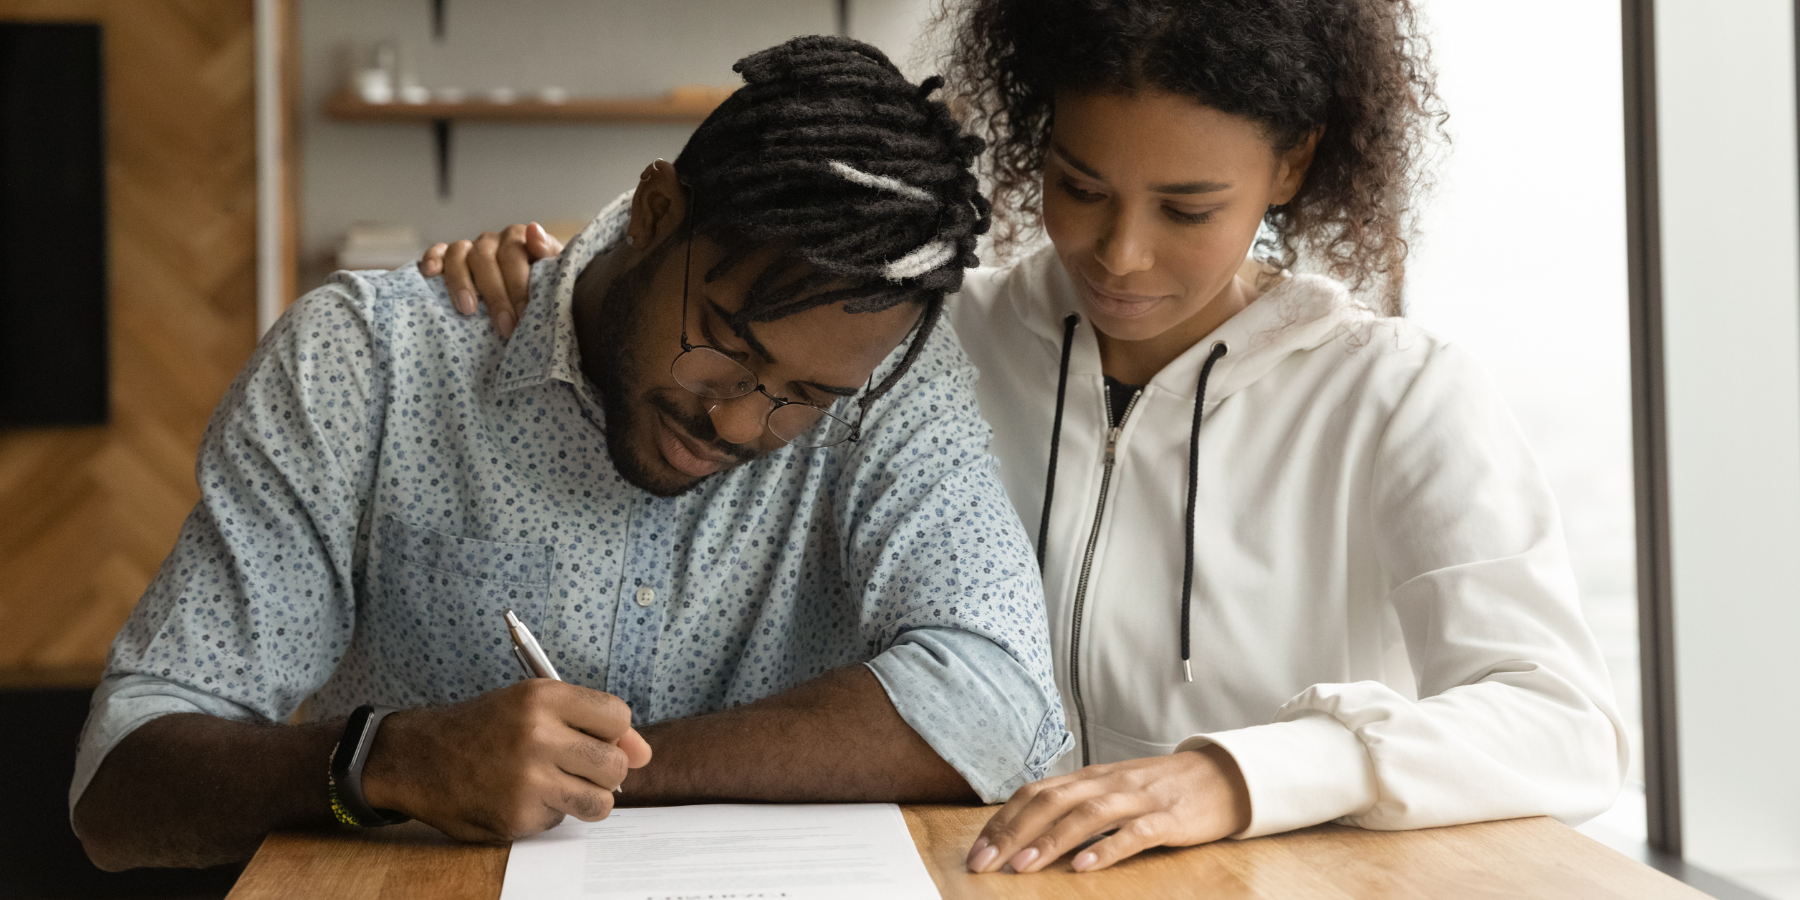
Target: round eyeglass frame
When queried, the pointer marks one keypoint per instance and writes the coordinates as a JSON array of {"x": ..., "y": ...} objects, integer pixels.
[
  {"x": 791, "y": 427},
  {"x": 833, "y": 429}
]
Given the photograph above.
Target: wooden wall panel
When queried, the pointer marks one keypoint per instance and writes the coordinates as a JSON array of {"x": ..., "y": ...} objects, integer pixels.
[
  {"x": 291, "y": 183},
  {"x": 86, "y": 515}
]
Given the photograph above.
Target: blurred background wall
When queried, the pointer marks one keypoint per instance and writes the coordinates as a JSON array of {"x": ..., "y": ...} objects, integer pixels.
[
  {"x": 87, "y": 513},
  {"x": 503, "y": 172}
]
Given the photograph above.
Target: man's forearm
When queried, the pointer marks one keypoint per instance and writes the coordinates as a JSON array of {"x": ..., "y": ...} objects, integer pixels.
[
  {"x": 836, "y": 738},
  {"x": 195, "y": 790}
]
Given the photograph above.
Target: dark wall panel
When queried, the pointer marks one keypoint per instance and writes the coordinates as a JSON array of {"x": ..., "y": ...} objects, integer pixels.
[
  {"x": 40, "y": 857},
  {"x": 53, "y": 288}
]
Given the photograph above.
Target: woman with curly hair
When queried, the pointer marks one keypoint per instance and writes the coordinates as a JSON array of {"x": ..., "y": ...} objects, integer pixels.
[{"x": 1300, "y": 565}]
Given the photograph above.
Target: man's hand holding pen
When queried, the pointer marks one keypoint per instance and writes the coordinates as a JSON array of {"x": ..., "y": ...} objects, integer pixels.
[{"x": 508, "y": 763}]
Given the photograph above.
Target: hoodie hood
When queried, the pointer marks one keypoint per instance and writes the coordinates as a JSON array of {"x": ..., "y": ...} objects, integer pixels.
[{"x": 1301, "y": 313}]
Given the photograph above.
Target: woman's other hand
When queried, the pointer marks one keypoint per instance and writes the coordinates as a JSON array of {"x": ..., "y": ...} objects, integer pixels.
[
  {"x": 494, "y": 268},
  {"x": 1186, "y": 798}
]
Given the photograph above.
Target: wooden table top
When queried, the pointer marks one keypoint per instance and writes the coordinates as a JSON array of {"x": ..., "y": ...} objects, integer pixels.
[{"x": 1520, "y": 858}]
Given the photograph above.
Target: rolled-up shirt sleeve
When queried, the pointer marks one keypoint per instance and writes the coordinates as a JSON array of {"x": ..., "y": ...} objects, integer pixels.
[
  {"x": 122, "y": 703},
  {"x": 255, "y": 605},
  {"x": 951, "y": 593},
  {"x": 975, "y": 705}
]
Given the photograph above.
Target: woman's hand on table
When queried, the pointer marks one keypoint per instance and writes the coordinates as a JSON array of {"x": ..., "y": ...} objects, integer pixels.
[
  {"x": 495, "y": 268},
  {"x": 1186, "y": 798}
]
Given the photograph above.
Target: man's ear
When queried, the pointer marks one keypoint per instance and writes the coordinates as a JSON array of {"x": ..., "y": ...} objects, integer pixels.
[
  {"x": 657, "y": 208},
  {"x": 1291, "y": 172}
]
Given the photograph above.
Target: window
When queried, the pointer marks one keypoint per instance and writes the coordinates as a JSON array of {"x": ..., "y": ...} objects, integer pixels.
[{"x": 1522, "y": 261}]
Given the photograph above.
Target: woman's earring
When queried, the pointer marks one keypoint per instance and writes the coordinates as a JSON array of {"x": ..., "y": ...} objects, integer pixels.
[{"x": 629, "y": 240}]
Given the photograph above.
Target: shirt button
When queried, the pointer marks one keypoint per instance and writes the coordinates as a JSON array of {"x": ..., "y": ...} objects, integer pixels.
[{"x": 645, "y": 596}]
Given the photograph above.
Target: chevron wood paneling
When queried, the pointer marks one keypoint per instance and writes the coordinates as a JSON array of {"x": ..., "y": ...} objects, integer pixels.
[{"x": 86, "y": 515}]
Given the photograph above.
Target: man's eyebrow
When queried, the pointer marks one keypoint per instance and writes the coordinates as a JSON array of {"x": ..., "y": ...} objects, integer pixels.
[
  {"x": 744, "y": 334},
  {"x": 764, "y": 353},
  {"x": 831, "y": 388},
  {"x": 1185, "y": 187}
]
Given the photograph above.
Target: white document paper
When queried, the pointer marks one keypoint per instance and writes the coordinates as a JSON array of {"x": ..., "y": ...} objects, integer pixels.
[{"x": 740, "y": 852}]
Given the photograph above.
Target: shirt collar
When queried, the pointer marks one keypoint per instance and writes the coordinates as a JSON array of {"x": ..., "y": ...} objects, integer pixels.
[{"x": 543, "y": 346}]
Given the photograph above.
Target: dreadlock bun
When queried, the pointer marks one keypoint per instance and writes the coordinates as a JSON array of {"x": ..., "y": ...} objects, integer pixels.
[{"x": 830, "y": 152}]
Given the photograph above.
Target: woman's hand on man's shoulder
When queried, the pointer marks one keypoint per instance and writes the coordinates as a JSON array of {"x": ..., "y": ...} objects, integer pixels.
[{"x": 494, "y": 269}]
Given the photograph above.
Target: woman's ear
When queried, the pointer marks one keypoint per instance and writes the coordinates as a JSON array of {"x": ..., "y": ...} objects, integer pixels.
[
  {"x": 657, "y": 208},
  {"x": 1291, "y": 172}
]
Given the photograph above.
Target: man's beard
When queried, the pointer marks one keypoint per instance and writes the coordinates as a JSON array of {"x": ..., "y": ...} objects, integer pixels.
[{"x": 621, "y": 357}]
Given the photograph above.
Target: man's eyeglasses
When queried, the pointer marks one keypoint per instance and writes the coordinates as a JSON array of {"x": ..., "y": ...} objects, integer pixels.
[{"x": 706, "y": 372}]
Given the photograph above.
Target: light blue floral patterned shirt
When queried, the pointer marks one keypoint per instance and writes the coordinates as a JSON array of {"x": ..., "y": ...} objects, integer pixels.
[{"x": 386, "y": 476}]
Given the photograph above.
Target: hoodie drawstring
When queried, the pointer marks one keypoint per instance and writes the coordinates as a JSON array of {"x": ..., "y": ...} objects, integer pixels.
[
  {"x": 1187, "y": 571},
  {"x": 1062, "y": 389},
  {"x": 1187, "y": 574}
]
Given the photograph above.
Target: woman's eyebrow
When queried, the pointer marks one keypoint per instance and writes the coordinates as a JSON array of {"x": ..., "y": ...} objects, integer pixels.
[
  {"x": 1184, "y": 187},
  {"x": 1190, "y": 187},
  {"x": 1075, "y": 163}
]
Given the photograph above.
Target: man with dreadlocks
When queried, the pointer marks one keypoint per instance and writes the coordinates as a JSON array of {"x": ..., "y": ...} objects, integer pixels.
[{"x": 725, "y": 469}]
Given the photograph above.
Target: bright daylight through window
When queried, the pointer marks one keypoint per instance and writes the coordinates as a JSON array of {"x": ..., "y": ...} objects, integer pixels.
[{"x": 1522, "y": 261}]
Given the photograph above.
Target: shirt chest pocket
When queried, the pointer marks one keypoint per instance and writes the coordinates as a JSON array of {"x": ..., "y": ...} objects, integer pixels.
[{"x": 435, "y": 608}]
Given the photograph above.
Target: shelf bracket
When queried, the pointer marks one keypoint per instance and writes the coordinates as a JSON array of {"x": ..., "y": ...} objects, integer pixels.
[
  {"x": 843, "y": 17},
  {"x": 437, "y": 19},
  {"x": 440, "y": 130}
]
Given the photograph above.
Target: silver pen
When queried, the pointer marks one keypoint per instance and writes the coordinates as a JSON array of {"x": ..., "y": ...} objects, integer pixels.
[
  {"x": 531, "y": 656},
  {"x": 526, "y": 650}
]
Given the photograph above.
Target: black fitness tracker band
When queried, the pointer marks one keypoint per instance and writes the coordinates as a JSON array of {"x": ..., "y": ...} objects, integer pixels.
[{"x": 348, "y": 805}]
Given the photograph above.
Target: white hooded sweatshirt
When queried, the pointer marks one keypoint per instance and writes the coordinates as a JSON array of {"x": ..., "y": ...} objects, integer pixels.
[{"x": 1384, "y": 626}]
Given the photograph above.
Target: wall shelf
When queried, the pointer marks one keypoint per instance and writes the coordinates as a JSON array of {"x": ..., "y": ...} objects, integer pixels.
[
  {"x": 676, "y": 107},
  {"x": 681, "y": 105}
]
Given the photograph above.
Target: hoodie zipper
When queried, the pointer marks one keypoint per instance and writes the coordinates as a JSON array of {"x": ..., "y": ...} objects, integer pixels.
[{"x": 1087, "y": 567}]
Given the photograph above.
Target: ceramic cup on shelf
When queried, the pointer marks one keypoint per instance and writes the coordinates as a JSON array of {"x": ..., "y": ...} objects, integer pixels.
[{"x": 375, "y": 86}]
